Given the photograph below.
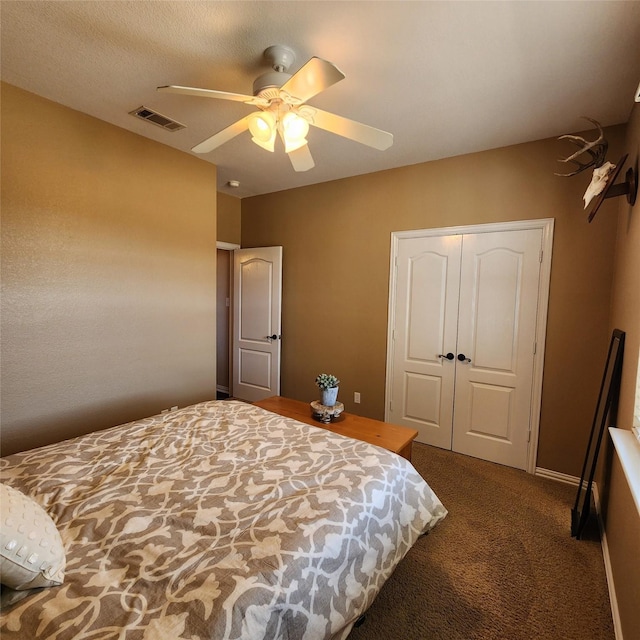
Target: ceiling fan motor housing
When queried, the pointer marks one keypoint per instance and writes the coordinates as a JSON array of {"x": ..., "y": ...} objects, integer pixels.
[
  {"x": 280, "y": 58},
  {"x": 269, "y": 80}
]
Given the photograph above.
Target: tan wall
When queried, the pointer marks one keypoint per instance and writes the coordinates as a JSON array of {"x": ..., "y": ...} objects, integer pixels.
[
  {"x": 336, "y": 239},
  {"x": 622, "y": 518},
  {"x": 108, "y": 274},
  {"x": 229, "y": 218},
  {"x": 623, "y": 538},
  {"x": 625, "y": 307}
]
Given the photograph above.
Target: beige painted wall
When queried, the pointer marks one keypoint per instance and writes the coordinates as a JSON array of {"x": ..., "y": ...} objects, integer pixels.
[
  {"x": 625, "y": 306},
  {"x": 336, "y": 239},
  {"x": 108, "y": 274},
  {"x": 623, "y": 542},
  {"x": 622, "y": 518},
  {"x": 229, "y": 218}
]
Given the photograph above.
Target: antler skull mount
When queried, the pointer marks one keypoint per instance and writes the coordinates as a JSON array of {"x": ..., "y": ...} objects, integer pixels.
[
  {"x": 604, "y": 173},
  {"x": 597, "y": 151}
]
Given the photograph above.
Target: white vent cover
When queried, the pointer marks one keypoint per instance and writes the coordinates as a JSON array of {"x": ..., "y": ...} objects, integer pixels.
[{"x": 157, "y": 118}]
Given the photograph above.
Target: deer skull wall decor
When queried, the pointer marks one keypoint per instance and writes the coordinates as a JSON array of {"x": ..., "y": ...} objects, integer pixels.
[
  {"x": 598, "y": 182},
  {"x": 597, "y": 151},
  {"x": 605, "y": 173}
]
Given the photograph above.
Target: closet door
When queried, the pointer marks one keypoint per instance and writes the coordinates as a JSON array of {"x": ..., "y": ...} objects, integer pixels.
[
  {"x": 499, "y": 282},
  {"x": 426, "y": 317},
  {"x": 463, "y": 318}
]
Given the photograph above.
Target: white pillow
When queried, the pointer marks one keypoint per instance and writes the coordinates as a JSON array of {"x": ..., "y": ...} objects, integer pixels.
[{"x": 31, "y": 550}]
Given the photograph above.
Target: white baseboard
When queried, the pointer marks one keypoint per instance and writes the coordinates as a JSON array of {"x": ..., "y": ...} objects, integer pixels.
[
  {"x": 572, "y": 480},
  {"x": 615, "y": 612},
  {"x": 558, "y": 477}
]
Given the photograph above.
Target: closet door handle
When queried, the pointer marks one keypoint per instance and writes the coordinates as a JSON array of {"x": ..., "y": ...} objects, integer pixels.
[
  {"x": 449, "y": 356},
  {"x": 463, "y": 358},
  {"x": 273, "y": 337}
]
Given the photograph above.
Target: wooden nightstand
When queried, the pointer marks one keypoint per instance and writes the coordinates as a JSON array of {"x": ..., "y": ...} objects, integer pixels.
[{"x": 389, "y": 436}]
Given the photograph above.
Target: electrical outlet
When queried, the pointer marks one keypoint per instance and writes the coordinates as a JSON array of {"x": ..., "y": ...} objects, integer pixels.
[{"x": 356, "y": 397}]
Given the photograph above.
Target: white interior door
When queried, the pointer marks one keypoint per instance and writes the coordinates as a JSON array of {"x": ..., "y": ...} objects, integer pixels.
[
  {"x": 257, "y": 287},
  {"x": 428, "y": 274},
  {"x": 465, "y": 312},
  {"x": 496, "y": 345}
]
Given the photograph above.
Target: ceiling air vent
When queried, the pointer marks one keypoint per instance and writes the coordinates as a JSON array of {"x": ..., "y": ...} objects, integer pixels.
[{"x": 157, "y": 118}]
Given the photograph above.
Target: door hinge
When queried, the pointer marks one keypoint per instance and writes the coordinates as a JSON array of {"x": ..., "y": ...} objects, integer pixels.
[
  {"x": 535, "y": 348},
  {"x": 541, "y": 254}
]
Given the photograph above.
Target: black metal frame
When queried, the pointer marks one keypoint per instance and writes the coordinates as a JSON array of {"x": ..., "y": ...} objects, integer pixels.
[{"x": 606, "y": 406}]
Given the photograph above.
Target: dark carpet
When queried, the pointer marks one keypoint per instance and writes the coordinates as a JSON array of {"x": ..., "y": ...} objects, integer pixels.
[{"x": 501, "y": 565}]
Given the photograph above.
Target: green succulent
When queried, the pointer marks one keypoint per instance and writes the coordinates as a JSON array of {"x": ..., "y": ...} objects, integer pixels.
[{"x": 327, "y": 381}]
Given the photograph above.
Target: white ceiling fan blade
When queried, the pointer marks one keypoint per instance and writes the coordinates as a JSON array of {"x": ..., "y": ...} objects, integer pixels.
[
  {"x": 351, "y": 129},
  {"x": 211, "y": 93},
  {"x": 222, "y": 136},
  {"x": 314, "y": 76},
  {"x": 301, "y": 159}
]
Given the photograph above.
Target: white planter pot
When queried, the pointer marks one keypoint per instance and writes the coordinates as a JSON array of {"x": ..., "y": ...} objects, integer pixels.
[{"x": 329, "y": 396}]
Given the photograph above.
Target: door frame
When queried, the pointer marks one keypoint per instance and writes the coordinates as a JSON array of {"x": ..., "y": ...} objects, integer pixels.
[
  {"x": 230, "y": 247},
  {"x": 547, "y": 226}
]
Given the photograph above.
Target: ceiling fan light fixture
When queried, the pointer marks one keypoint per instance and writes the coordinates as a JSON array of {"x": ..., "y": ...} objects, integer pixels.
[
  {"x": 269, "y": 145},
  {"x": 262, "y": 126},
  {"x": 292, "y": 146},
  {"x": 281, "y": 100},
  {"x": 295, "y": 126},
  {"x": 294, "y": 131}
]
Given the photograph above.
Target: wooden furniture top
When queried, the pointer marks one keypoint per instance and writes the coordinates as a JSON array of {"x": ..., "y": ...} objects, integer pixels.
[{"x": 392, "y": 437}]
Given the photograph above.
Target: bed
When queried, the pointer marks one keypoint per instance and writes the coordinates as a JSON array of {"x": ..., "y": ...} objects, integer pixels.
[{"x": 216, "y": 521}]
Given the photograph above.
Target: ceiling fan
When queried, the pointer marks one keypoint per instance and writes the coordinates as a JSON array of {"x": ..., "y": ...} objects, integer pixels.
[{"x": 282, "y": 110}]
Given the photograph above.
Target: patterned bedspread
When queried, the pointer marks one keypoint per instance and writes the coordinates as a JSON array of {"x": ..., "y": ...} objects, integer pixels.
[{"x": 220, "y": 521}]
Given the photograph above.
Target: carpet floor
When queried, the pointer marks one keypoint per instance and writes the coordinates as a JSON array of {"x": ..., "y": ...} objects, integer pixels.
[{"x": 501, "y": 566}]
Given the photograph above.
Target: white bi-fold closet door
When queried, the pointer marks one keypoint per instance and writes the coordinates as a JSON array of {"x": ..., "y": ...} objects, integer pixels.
[{"x": 467, "y": 317}]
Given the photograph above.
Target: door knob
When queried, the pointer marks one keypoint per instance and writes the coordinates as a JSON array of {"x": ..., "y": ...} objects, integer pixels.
[
  {"x": 463, "y": 358},
  {"x": 273, "y": 337},
  {"x": 449, "y": 356}
]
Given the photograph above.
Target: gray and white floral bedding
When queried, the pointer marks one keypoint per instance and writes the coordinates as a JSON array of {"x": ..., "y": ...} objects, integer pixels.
[{"x": 220, "y": 520}]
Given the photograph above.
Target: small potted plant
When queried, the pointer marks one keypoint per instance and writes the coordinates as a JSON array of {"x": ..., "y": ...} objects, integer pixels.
[{"x": 328, "y": 384}]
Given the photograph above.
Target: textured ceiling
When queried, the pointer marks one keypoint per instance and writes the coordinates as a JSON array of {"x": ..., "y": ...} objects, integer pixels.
[{"x": 446, "y": 78}]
